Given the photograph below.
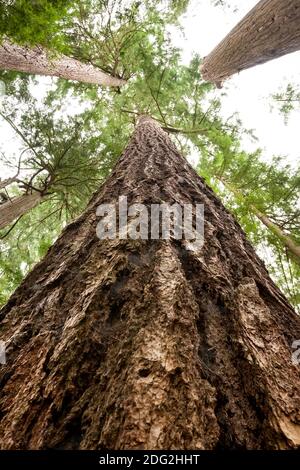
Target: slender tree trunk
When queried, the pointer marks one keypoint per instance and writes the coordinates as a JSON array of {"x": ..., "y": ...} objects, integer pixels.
[
  {"x": 271, "y": 29},
  {"x": 136, "y": 344},
  {"x": 11, "y": 210},
  {"x": 38, "y": 61},
  {"x": 287, "y": 241},
  {"x": 292, "y": 247}
]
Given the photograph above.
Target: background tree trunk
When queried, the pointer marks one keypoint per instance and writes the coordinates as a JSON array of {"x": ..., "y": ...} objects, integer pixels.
[
  {"x": 134, "y": 344},
  {"x": 271, "y": 29},
  {"x": 38, "y": 61},
  {"x": 285, "y": 239},
  {"x": 17, "y": 206},
  {"x": 288, "y": 242}
]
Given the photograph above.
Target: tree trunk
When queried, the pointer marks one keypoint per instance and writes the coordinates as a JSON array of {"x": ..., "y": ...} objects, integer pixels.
[
  {"x": 38, "y": 61},
  {"x": 292, "y": 247},
  {"x": 18, "y": 206},
  {"x": 150, "y": 344},
  {"x": 271, "y": 29},
  {"x": 286, "y": 240}
]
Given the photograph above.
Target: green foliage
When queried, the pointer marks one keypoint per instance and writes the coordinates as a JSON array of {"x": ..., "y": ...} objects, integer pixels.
[
  {"x": 225, "y": 4},
  {"x": 287, "y": 100},
  {"x": 247, "y": 183},
  {"x": 18, "y": 255},
  {"x": 65, "y": 159},
  {"x": 34, "y": 22}
]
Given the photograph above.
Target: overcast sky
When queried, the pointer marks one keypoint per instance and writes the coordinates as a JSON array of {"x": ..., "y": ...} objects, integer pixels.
[{"x": 247, "y": 93}]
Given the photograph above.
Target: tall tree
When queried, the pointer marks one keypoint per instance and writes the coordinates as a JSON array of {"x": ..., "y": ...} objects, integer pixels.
[
  {"x": 39, "y": 61},
  {"x": 270, "y": 30},
  {"x": 51, "y": 143},
  {"x": 86, "y": 40},
  {"x": 130, "y": 344},
  {"x": 176, "y": 96}
]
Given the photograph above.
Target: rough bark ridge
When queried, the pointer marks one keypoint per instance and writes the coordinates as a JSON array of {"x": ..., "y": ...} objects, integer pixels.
[
  {"x": 271, "y": 29},
  {"x": 149, "y": 344},
  {"x": 38, "y": 61}
]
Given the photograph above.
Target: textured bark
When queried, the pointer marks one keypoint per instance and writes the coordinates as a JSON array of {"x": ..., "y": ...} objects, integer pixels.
[
  {"x": 38, "y": 61},
  {"x": 270, "y": 30},
  {"x": 11, "y": 210},
  {"x": 134, "y": 344}
]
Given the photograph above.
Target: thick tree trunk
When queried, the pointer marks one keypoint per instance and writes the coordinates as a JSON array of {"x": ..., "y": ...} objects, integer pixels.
[
  {"x": 11, "y": 210},
  {"x": 136, "y": 344},
  {"x": 38, "y": 61},
  {"x": 271, "y": 29}
]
